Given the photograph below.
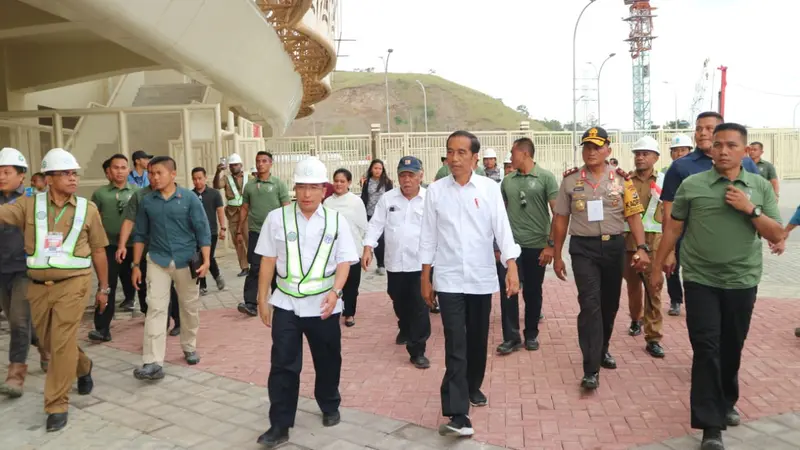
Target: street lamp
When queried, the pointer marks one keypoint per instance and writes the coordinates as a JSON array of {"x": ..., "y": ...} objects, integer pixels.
[
  {"x": 574, "y": 87},
  {"x": 600, "y": 72},
  {"x": 425, "y": 103},
  {"x": 386, "y": 82},
  {"x": 675, "y": 92}
]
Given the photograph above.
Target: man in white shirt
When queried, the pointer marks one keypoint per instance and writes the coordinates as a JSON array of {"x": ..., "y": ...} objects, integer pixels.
[
  {"x": 398, "y": 216},
  {"x": 312, "y": 249},
  {"x": 464, "y": 214}
]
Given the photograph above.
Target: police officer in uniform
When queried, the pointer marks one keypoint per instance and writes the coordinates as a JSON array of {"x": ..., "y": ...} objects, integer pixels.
[
  {"x": 312, "y": 248},
  {"x": 600, "y": 199},
  {"x": 64, "y": 237},
  {"x": 233, "y": 183}
]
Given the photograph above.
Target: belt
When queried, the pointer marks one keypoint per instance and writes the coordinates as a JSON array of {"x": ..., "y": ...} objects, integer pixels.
[
  {"x": 48, "y": 282},
  {"x": 605, "y": 237}
]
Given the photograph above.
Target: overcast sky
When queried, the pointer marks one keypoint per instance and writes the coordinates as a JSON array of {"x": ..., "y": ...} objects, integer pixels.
[{"x": 521, "y": 51}]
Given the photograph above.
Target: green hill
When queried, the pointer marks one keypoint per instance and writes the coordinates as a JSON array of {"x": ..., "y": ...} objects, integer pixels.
[{"x": 358, "y": 100}]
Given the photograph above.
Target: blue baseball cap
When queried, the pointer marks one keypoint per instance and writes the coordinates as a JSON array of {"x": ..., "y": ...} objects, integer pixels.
[{"x": 409, "y": 164}]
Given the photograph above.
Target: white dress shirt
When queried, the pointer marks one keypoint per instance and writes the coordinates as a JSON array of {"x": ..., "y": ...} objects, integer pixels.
[
  {"x": 352, "y": 207},
  {"x": 459, "y": 227},
  {"x": 272, "y": 243},
  {"x": 400, "y": 221}
]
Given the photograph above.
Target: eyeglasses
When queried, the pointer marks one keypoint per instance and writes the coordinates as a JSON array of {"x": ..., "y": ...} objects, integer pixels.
[{"x": 64, "y": 173}]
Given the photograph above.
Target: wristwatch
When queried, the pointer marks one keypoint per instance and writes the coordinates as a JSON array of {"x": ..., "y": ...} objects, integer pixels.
[
  {"x": 756, "y": 212},
  {"x": 644, "y": 247},
  {"x": 338, "y": 292},
  {"x": 551, "y": 243},
  {"x": 135, "y": 266},
  {"x": 105, "y": 291}
]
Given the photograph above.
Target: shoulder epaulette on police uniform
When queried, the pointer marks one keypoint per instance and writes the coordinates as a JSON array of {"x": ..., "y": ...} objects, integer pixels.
[
  {"x": 570, "y": 171},
  {"x": 623, "y": 174}
]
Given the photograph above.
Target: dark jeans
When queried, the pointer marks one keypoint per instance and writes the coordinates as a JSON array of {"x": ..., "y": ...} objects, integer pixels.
[
  {"x": 325, "y": 342},
  {"x": 465, "y": 319},
  {"x": 674, "y": 281},
  {"x": 251, "y": 282},
  {"x": 380, "y": 249},
  {"x": 509, "y": 308},
  {"x": 214, "y": 268},
  {"x": 174, "y": 308},
  {"x": 14, "y": 301},
  {"x": 116, "y": 271},
  {"x": 718, "y": 321},
  {"x": 350, "y": 290},
  {"x": 597, "y": 266},
  {"x": 412, "y": 312}
]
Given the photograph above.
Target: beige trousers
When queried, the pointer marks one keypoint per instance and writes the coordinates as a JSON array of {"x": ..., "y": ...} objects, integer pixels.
[{"x": 159, "y": 280}]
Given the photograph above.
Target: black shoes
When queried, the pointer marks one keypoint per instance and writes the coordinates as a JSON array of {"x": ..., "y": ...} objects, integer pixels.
[
  {"x": 244, "y": 273},
  {"x": 635, "y": 329},
  {"x": 100, "y": 336},
  {"x": 675, "y": 309},
  {"x": 420, "y": 362},
  {"x": 459, "y": 426},
  {"x": 400, "y": 339},
  {"x": 532, "y": 345},
  {"x": 608, "y": 361},
  {"x": 590, "y": 381},
  {"x": 732, "y": 418},
  {"x": 712, "y": 439},
  {"x": 331, "y": 419},
  {"x": 149, "y": 372},
  {"x": 56, "y": 422},
  {"x": 654, "y": 349},
  {"x": 478, "y": 399},
  {"x": 250, "y": 310},
  {"x": 508, "y": 347},
  {"x": 192, "y": 358},
  {"x": 274, "y": 437},
  {"x": 126, "y": 306},
  {"x": 85, "y": 382},
  {"x": 175, "y": 331}
]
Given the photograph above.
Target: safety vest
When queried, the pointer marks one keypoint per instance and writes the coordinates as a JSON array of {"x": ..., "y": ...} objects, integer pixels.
[
  {"x": 649, "y": 216},
  {"x": 237, "y": 197},
  {"x": 297, "y": 283},
  {"x": 67, "y": 260}
]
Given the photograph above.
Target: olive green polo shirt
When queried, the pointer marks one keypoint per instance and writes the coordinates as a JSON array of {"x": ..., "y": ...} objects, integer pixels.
[
  {"x": 111, "y": 202},
  {"x": 767, "y": 170},
  {"x": 527, "y": 198},
  {"x": 445, "y": 171},
  {"x": 132, "y": 208},
  {"x": 721, "y": 247},
  {"x": 261, "y": 197}
]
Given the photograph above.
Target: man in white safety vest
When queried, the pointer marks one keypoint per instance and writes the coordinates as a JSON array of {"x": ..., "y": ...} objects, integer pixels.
[
  {"x": 312, "y": 249},
  {"x": 233, "y": 183},
  {"x": 648, "y": 184},
  {"x": 64, "y": 237}
]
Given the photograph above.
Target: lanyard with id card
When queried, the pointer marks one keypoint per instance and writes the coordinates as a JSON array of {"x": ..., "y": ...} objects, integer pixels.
[
  {"x": 594, "y": 207},
  {"x": 54, "y": 241}
]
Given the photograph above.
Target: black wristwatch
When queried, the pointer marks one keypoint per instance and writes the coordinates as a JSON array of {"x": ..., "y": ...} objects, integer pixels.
[
  {"x": 644, "y": 247},
  {"x": 756, "y": 213},
  {"x": 551, "y": 243}
]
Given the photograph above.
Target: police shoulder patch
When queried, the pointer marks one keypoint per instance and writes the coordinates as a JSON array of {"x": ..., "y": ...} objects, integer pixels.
[
  {"x": 571, "y": 171},
  {"x": 623, "y": 174}
]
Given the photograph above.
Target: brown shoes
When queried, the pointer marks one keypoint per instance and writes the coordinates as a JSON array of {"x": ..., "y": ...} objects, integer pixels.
[{"x": 15, "y": 380}]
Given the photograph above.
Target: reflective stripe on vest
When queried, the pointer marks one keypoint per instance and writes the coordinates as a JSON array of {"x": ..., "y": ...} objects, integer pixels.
[
  {"x": 67, "y": 260},
  {"x": 297, "y": 283},
  {"x": 649, "y": 216},
  {"x": 237, "y": 197}
]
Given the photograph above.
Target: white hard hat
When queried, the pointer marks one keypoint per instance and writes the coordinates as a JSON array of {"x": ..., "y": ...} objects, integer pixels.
[
  {"x": 646, "y": 143},
  {"x": 234, "y": 159},
  {"x": 310, "y": 171},
  {"x": 59, "y": 159},
  {"x": 12, "y": 157},
  {"x": 681, "y": 140},
  {"x": 253, "y": 170},
  {"x": 489, "y": 153},
  {"x": 508, "y": 158}
]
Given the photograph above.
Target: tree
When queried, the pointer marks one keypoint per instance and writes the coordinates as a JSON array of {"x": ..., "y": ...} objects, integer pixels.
[
  {"x": 522, "y": 109},
  {"x": 568, "y": 127},
  {"x": 552, "y": 125},
  {"x": 682, "y": 125}
]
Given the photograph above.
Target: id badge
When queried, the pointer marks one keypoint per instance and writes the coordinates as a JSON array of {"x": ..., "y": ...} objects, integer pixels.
[{"x": 53, "y": 244}]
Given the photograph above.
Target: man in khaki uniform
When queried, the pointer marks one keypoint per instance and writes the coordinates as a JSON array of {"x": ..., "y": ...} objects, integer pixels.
[
  {"x": 64, "y": 236},
  {"x": 233, "y": 184},
  {"x": 648, "y": 185},
  {"x": 600, "y": 199}
]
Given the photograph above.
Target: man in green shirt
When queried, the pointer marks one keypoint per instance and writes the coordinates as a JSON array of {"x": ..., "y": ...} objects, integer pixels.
[
  {"x": 765, "y": 168},
  {"x": 129, "y": 219},
  {"x": 528, "y": 192},
  {"x": 730, "y": 209},
  {"x": 262, "y": 195},
  {"x": 111, "y": 201}
]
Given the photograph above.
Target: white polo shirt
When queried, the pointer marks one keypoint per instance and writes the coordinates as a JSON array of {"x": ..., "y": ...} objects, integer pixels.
[
  {"x": 400, "y": 221},
  {"x": 272, "y": 243}
]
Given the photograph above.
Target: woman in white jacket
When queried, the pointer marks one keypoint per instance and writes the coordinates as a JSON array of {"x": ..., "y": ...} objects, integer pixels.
[{"x": 353, "y": 209}]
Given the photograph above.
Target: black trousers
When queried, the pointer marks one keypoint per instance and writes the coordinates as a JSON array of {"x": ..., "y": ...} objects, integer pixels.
[
  {"x": 413, "y": 314},
  {"x": 380, "y": 250},
  {"x": 251, "y": 282},
  {"x": 174, "y": 308},
  {"x": 597, "y": 266},
  {"x": 142, "y": 292},
  {"x": 509, "y": 308},
  {"x": 674, "y": 288},
  {"x": 718, "y": 321},
  {"x": 325, "y": 342},
  {"x": 350, "y": 290},
  {"x": 213, "y": 268},
  {"x": 529, "y": 269},
  {"x": 465, "y": 319},
  {"x": 116, "y": 271}
]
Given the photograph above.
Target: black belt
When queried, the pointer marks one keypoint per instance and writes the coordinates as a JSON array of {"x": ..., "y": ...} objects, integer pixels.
[{"x": 605, "y": 237}]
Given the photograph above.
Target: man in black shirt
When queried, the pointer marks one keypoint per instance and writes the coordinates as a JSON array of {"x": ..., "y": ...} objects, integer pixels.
[{"x": 212, "y": 203}]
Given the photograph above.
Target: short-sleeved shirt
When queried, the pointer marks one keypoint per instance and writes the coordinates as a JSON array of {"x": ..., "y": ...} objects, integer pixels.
[
  {"x": 618, "y": 195},
  {"x": 643, "y": 188},
  {"x": 262, "y": 197},
  {"x": 695, "y": 162},
  {"x": 527, "y": 198},
  {"x": 767, "y": 170},
  {"x": 445, "y": 171},
  {"x": 238, "y": 180},
  {"x": 795, "y": 220},
  {"x": 111, "y": 201},
  {"x": 22, "y": 213},
  {"x": 137, "y": 180},
  {"x": 721, "y": 247},
  {"x": 211, "y": 200},
  {"x": 175, "y": 227},
  {"x": 12, "y": 246}
]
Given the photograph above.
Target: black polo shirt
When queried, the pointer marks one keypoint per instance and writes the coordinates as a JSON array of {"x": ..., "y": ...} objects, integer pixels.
[{"x": 211, "y": 200}]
